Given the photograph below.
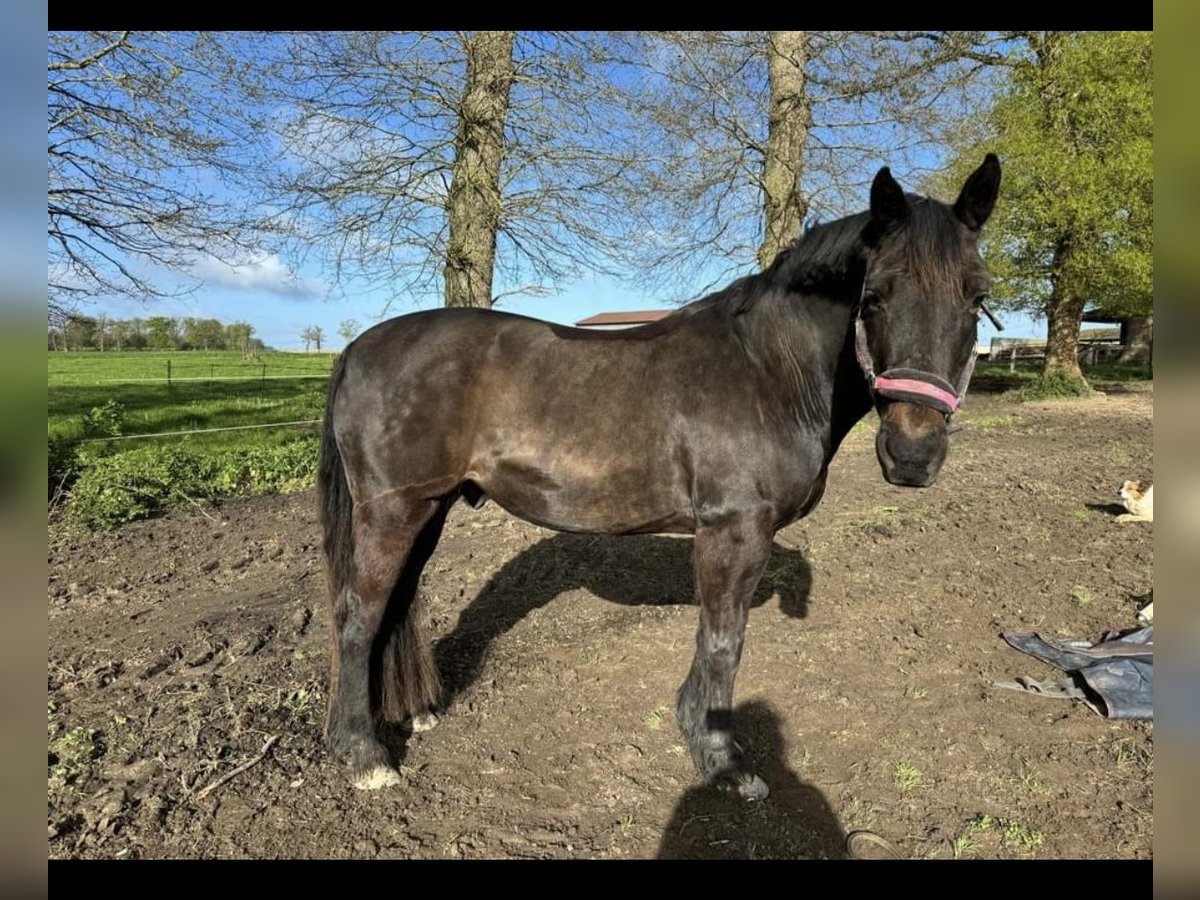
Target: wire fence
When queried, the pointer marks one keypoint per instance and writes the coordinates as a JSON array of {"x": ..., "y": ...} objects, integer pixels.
[
  {"x": 159, "y": 434},
  {"x": 176, "y": 372}
]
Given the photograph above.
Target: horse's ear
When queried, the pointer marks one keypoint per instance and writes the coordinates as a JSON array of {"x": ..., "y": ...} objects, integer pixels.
[
  {"x": 978, "y": 196},
  {"x": 887, "y": 198}
]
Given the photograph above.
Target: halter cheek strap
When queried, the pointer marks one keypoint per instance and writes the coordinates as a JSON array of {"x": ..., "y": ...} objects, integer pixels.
[{"x": 910, "y": 385}]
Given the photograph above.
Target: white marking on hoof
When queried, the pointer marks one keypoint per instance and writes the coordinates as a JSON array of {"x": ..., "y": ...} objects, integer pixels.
[
  {"x": 425, "y": 721},
  {"x": 753, "y": 788},
  {"x": 377, "y": 778}
]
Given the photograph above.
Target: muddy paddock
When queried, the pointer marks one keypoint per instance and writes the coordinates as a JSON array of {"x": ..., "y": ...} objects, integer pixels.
[{"x": 187, "y": 669}]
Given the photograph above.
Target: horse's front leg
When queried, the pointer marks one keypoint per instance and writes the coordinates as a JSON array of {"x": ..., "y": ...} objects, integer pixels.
[{"x": 730, "y": 557}]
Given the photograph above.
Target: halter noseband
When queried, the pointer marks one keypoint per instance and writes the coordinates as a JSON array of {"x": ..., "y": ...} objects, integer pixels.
[{"x": 911, "y": 385}]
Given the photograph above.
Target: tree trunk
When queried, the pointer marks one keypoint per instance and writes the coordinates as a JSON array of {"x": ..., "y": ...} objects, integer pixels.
[
  {"x": 473, "y": 206},
  {"x": 1136, "y": 336},
  {"x": 784, "y": 204},
  {"x": 1065, "y": 315}
]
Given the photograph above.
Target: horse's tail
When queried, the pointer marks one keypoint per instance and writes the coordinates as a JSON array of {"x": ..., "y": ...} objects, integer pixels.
[
  {"x": 408, "y": 680},
  {"x": 336, "y": 507}
]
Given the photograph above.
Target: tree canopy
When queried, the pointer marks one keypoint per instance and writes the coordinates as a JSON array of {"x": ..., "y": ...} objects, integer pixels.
[{"x": 1073, "y": 129}]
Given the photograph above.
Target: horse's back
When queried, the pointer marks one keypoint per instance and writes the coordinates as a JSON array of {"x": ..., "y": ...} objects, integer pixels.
[{"x": 565, "y": 430}]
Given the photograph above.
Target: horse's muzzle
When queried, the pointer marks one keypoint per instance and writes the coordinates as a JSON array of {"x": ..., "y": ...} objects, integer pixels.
[{"x": 911, "y": 444}]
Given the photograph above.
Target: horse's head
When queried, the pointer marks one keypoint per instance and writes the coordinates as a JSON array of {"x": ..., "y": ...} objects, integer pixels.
[{"x": 915, "y": 331}]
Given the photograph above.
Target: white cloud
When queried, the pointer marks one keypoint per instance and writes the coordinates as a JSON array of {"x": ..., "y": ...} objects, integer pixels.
[{"x": 259, "y": 272}]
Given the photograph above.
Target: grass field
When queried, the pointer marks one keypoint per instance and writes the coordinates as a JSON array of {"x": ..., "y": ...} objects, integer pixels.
[
  {"x": 103, "y": 368},
  {"x": 207, "y": 390},
  {"x": 109, "y": 420}
]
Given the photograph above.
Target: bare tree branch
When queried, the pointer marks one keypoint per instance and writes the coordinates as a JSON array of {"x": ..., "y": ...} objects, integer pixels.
[{"x": 141, "y": 141}]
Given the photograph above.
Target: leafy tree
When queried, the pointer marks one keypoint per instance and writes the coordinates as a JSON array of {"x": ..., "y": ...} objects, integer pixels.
[
  {"x": 238, "y": 337},
  {"x": 162, "y": 333},
  {"x": 1073, "y": 226},
  {"x": 204, "y": 334},
  {"x": 121, "y": 331},
  {"x": 79, "y": 332}
]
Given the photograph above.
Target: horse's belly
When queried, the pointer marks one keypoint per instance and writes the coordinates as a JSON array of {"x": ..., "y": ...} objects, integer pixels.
[{"x": 597, "y": 499}]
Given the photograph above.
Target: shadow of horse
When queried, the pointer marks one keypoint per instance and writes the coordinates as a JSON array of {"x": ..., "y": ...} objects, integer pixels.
[
  {"x": 638, "y": 570},
  {"x": 794, "y": 822},
  {"x": 1110, "y": 509}
]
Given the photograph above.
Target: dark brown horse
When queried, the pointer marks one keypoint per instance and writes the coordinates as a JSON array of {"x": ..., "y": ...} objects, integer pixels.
[{"x": 719, "y": 420}]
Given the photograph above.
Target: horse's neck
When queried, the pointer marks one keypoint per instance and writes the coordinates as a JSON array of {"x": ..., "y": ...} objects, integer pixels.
[{"x": 805, "y": 341}]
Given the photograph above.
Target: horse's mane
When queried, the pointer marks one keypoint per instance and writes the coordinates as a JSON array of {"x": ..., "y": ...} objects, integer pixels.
[
  {"x": 832, "y": 252},
  {"x": 823, "y": 252}
]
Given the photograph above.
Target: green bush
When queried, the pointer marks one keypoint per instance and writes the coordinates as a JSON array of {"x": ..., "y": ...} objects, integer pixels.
[
  {"x": 1053, "y": 386},
  {"x": 133, "y": 484},
  {"x": 120, "y": 487},
  {"x": 267, "y": 470},
  {"x": 61, "y": 465},
  {"x": 103, "y": 421}
]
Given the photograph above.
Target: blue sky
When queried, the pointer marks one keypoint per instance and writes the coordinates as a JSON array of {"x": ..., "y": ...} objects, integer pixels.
[
  {"x": 281, "y": 301},
  {"x": 279, "y": 313}
]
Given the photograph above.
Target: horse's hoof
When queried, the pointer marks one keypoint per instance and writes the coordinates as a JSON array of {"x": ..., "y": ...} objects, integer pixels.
[
  {"x": 751, "y": 787},
  {"x": 747, "y": 786},
  {"x": 377, "y": 778},
  {"x": 425, "y": 721}
]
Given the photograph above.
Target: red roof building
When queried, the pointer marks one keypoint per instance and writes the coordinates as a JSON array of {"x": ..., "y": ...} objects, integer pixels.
[{"x": 610, "y": 320}]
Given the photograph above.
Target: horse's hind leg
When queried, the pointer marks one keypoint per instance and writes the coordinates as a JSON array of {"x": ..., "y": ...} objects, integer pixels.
[
  {"x": 730, "y": 558},
  {"x": 378, "y": 639}
]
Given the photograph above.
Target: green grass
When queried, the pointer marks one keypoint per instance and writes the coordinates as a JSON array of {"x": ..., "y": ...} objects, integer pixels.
[
  {"x": 114, "y": 481},
  {"x": 1053, "y": 387},
  {"x": 71, "y": 757},
  {"x": 1013, "y": 834},
  {"x": 990, "y": 422},
  {"x": 1119, "y": 456},
  {"x": 1112, "y": 371},
  {"x": 1031, "y": 370},
  {"x": 1082, "y": 595},
  {"x": 1025, "y": 381},
  {"x": 907, "y": 776},
  {"x": 76, "y": 385},
  {"x": 186, "y": 365}
]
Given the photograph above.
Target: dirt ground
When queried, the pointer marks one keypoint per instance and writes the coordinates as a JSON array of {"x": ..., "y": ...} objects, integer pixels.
[{"x": 181, "y": 649}]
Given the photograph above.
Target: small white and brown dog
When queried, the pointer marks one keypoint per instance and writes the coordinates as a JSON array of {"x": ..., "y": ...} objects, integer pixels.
[{"x": 1138, "y": 498}]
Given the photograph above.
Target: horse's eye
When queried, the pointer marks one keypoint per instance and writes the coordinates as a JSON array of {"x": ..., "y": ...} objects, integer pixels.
[{"x": 870, "y": 298}]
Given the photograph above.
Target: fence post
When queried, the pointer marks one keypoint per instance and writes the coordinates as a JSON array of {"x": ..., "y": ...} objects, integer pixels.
[
  {"x": 264, "y": 377},
  {"x": 168, "y": 373}
]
